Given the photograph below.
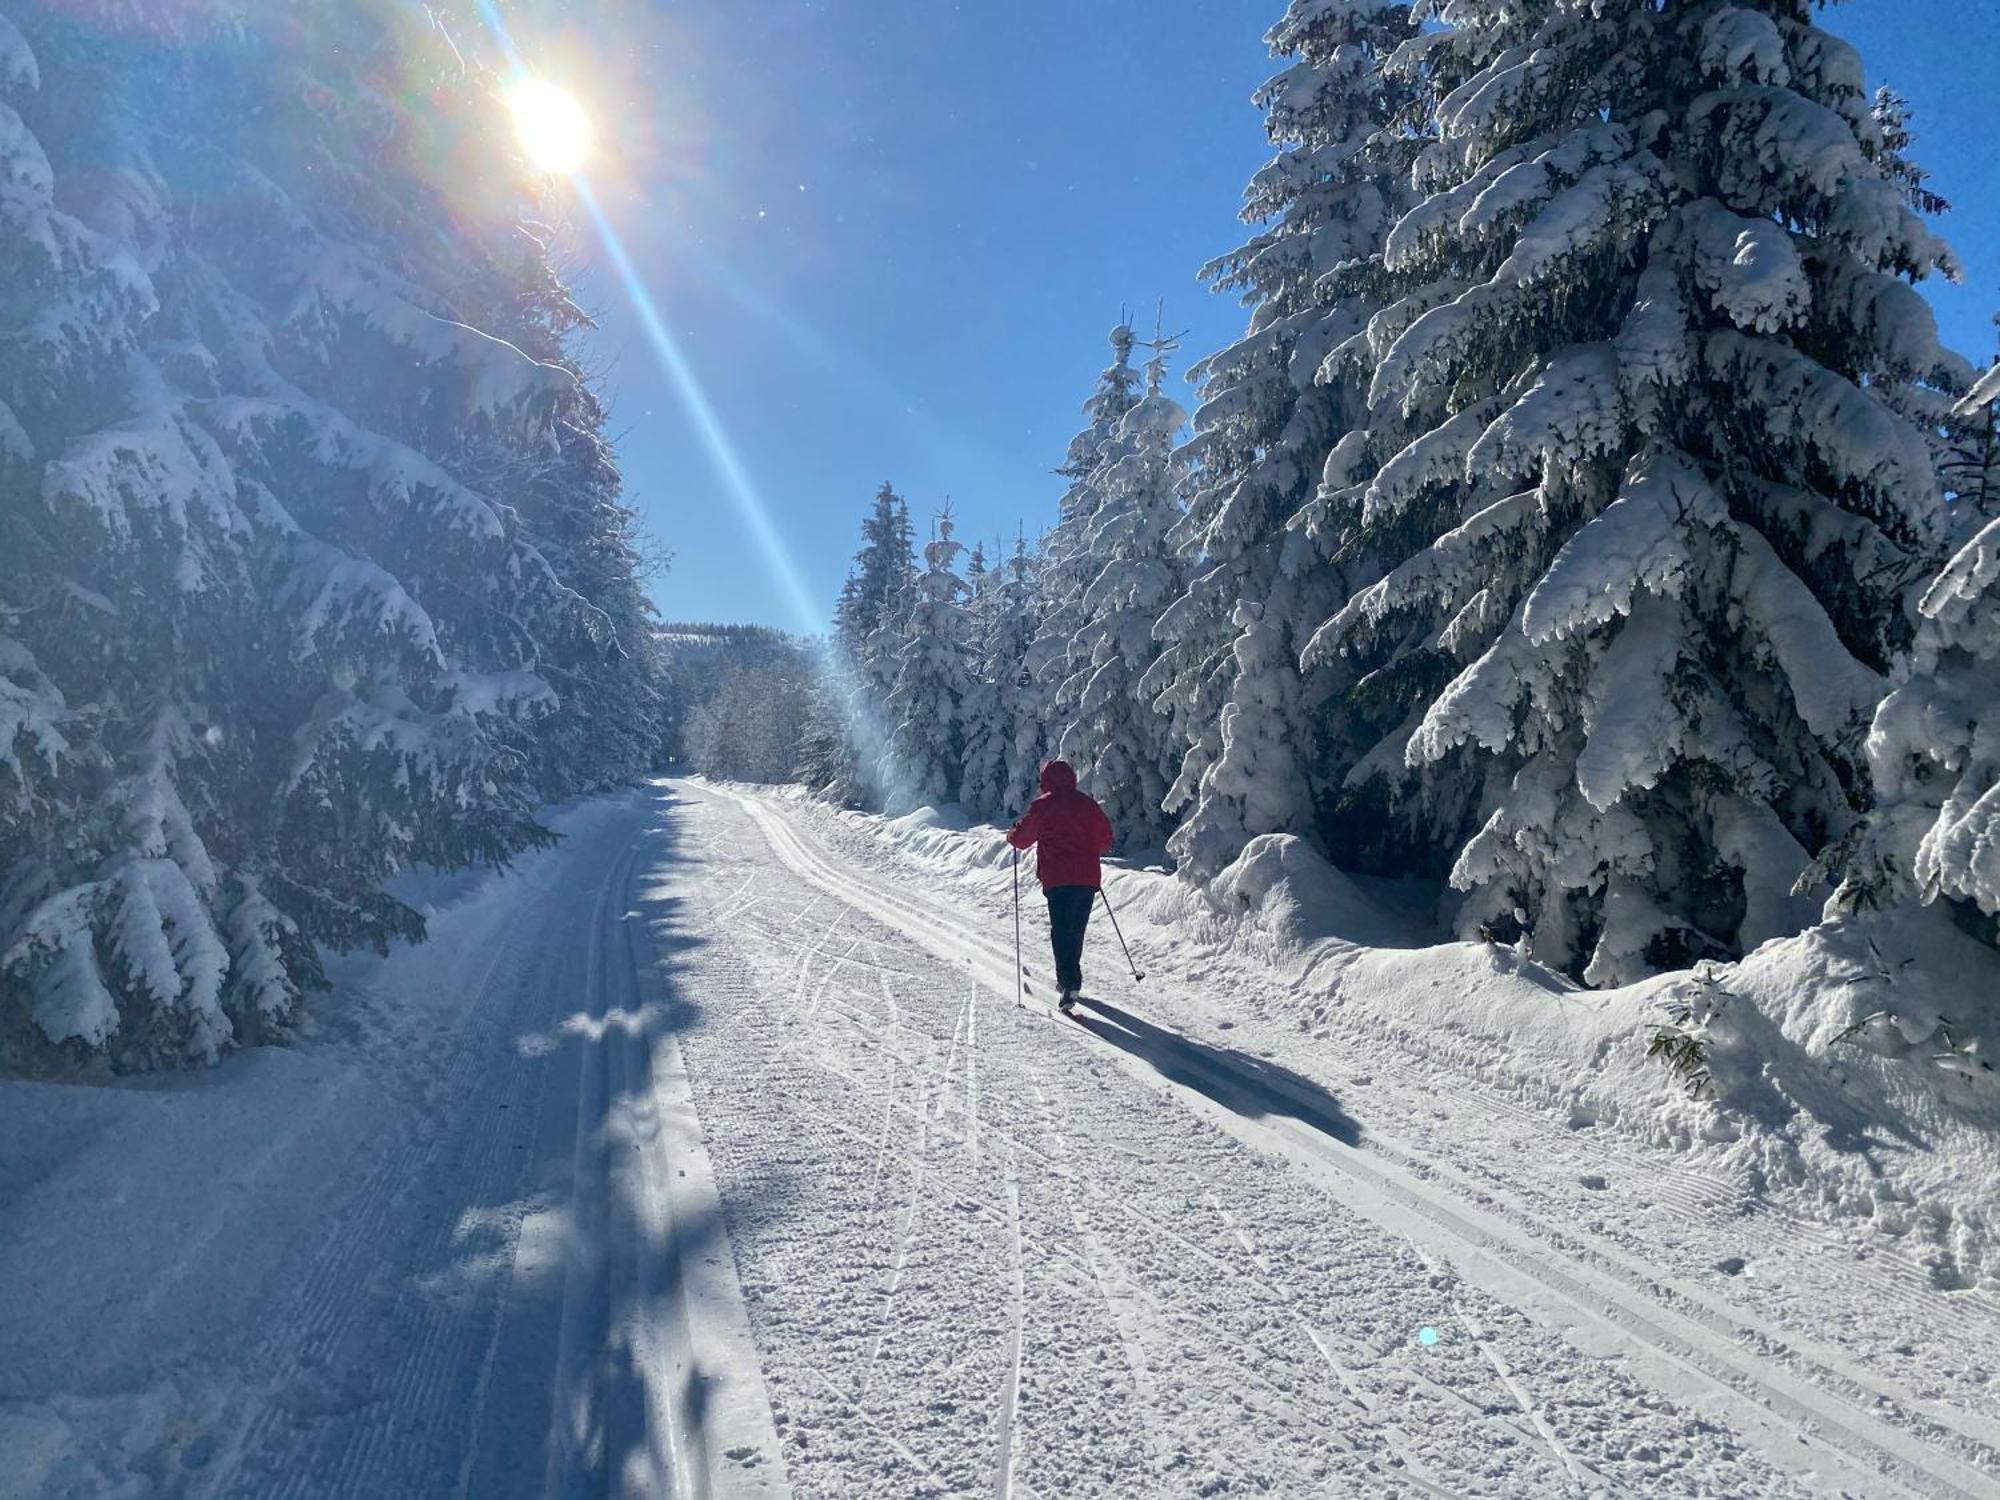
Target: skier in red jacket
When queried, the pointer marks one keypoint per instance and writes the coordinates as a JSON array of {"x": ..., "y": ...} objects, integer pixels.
[{"x": 1069, "y": 831}]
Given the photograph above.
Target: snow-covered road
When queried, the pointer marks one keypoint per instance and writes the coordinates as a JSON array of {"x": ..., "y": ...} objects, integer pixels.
[{"x": 710, "y": 1155}]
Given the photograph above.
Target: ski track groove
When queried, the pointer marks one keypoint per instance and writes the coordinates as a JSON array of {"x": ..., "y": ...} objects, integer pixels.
[
  {"x": 1578, "y": 1471},
  {"x": 380, "y": 1383},
  {"x": 890, "y": 1060},
  {"x": 1247, "y": 1373},
  {"x": 1273, "y": 1303},
  {"x": 1243, "y": 1376},
  {"x": 340, "y": 1313},
  {"x": 803, "y": 958},
  {"x": 330, "y": 1299},
  {"x": 1885, "y": 1278},
  {"x": 1399, "y": 1442},
  {"x": 889, "y": 1439},
  {"x": 591, "y": 1211},
  {"x": 1096, "y": 1263},
  {"x": 1714, "y": 1200},
  {"x": 1819, "y": 1390},
  {"x": 1006, "y": 1437},
  {"x": 905, "y": 1236},
  {"x": 907, "y": 1233},
  {"x": 971, "y": 1113},
  {"x": 734, "y": 905}
]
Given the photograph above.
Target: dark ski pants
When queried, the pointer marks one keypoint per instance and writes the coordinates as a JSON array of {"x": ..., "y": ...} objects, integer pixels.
[{"x": 1069, "y": 915}]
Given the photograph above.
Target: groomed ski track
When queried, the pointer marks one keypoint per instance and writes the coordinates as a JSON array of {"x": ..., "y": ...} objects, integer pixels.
[
  {"x": 1210, "y": 1212},
  {"x": 464, "y": 1241},
  {"x": 708, "y": 1154}
]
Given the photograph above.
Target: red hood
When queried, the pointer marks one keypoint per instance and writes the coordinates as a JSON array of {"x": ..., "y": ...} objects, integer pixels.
[{"x": 1058, "y": 776}]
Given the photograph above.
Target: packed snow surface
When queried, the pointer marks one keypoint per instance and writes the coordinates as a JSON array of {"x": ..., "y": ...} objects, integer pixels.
[{"x": 713, "y": 1153}]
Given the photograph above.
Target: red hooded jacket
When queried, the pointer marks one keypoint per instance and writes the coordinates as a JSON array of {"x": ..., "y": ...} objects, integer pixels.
[{"x": 1069, "y": 828}]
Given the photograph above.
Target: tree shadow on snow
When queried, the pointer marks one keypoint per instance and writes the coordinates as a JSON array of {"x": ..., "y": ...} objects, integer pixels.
[
  {"x": 1248, "y": 1086},
  {"x": 595, "y": 1387},
  {"x": 1760, "y": 1072}
]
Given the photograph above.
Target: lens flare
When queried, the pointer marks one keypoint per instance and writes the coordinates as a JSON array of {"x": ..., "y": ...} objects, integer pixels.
[
  {"x": 554, "y": 130},
  {"x": 809, "y": 618}
]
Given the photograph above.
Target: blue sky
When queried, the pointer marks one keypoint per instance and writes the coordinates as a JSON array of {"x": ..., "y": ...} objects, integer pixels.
[{"x": 891, "y": 235}]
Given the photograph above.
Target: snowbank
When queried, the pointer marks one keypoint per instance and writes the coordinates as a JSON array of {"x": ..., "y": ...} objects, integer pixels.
[
  {"x": 1831, "y": 1073},
  {"x": 950, "y": 817},
  {"x": 1285, "y": 894}
]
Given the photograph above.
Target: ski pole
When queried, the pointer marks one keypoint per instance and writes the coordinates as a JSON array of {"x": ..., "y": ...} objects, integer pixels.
[
  {"x": 1017, "y": 929},
  {"x": 1136, "y": 975}
]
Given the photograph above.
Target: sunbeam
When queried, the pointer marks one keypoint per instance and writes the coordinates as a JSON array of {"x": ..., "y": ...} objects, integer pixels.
[
  {"x": 808, "y": 618},
  {"x": 874, "y": 745}
]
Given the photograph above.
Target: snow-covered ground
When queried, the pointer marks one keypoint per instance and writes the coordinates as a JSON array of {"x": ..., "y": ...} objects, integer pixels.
[
  {"x": 462, "y": 1241},
  {"x": 1878, "y": 1132},
  {"x": 709, "y": 1153}
]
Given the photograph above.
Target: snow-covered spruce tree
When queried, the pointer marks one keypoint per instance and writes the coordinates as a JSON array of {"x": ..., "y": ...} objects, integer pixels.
[
  {"x": 979, "y": 710},
  {"x": 1124, "y": 750},
  {"x": 753, "y": 726},
  {"x": 865, "y": 654},
  {"x": 565, "y": 491},
  {"x": 1005, "y": 743},
  {"x": 1652, "y": 518},
  {"x": 926, "y": 756},
  {"x": 977, "y": 575},
  {"x": 1264, "y": 427},
  {"x": 1065, "y": 566},
  {"x": 826, "y": 761},
  {"x": 830, "y": 763},
  {"x": 882, "y": 567},
  {"x": 1971, "y": 456},
  {"x": 262, "y": 643},
  {"x": 1935, "y": 745}
]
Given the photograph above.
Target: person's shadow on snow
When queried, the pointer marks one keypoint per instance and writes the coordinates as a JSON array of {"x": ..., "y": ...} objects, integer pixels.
[{"x": 1245, "y": 1085}]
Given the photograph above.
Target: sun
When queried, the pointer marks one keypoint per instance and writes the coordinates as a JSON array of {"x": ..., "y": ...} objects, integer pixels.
[{"x": 554, "y": 130}]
